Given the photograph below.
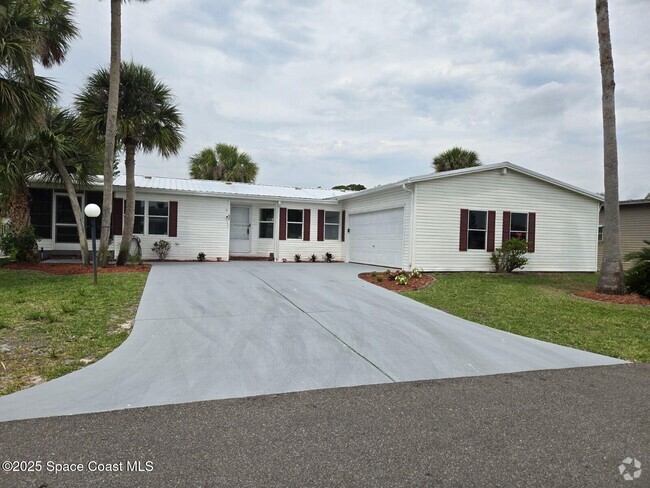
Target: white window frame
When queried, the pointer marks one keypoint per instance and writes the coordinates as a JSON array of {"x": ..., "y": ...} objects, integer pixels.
[
  {"x": 469, "y": 229},
  {"x": 272, "y": 222},
  {"x": 145, "y": 227},
  {"x": 518, "y": 231},
  {"x": 302, "y": 224},
  {"x": 337, "y": 225}
]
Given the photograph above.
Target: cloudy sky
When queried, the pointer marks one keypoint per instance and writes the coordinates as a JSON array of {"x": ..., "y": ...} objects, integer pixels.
[{"x": 329, "y": 92}]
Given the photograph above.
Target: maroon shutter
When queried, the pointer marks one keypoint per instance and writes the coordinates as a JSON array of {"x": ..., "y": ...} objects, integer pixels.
[
  {"x": 118, "y": 216},
  {"x": 505, "y": 236},
  {"x": 306, "y": 224},
  {"x": 173, "y": 219},
  {"x": 283, "y": 224},
  {"x": 464, "y": 220},
  {"x": 343, "y": 226},
  {"x": 321, "y": 225},
  {"x": 491, "y": 224},
  {"x": 531, "y": 231}
]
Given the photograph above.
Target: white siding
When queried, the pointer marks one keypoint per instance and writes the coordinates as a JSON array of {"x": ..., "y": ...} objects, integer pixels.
[
  {"x": 393, "y": 198},
  {"x": 259, "y": 247},
  {"x": 202, "y": 227},
  {"x": 290, "y": 247},
  {"x": 565, "y": 236}
]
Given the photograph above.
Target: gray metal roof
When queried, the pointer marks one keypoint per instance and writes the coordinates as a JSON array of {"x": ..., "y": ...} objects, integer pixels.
[{"x": 243, "y": 190}]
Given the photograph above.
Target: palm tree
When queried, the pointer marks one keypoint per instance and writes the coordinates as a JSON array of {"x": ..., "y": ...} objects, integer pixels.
[
  {"x": 455, "y": 158},
  {"x": 612, "y": 277},
  {"x": 224, "y": 163},
  {"x": 147, "y": 120}
]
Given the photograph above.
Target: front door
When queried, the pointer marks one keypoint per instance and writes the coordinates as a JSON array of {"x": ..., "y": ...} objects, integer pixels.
[{"x": 240, "y": 229}]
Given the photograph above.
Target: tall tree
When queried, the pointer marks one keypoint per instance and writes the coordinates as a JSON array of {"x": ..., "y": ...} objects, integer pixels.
[
  {"x": 612, "y": 277},
  {"x": 223, "y": 162},
  {"x": 455, "y": 158},
  {"x": 147, "y": 120}
]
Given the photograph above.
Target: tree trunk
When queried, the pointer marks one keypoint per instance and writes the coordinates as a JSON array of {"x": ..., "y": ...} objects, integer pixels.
[
  {"x": 18, "y": 212},
  {"x": 76, "y": 208},
  {"x": 129, "y": 204},
  {"x": 111, "y": 128},
  {"x": 612, "y": 278}
]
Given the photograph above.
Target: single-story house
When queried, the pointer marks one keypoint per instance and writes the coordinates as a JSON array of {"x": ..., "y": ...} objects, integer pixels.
[
  {"x": 448, "y": 221},
  {"x": 635, "y": 227}
]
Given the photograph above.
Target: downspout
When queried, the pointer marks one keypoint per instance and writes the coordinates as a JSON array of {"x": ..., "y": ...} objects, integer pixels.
[
  {"x": 276, "y": 231},
  {"x": 412, "y": 222}
]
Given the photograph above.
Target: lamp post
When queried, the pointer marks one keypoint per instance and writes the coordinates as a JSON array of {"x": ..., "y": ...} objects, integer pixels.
[{"x": 92, "y": 211}]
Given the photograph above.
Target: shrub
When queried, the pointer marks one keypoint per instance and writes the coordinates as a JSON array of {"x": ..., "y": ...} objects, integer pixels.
[
  {"x": 374, "y": 274},
  {"x": 162, "y": 248},
  {"x": 380, "y": 279},
  {"x": 402, "y": 279},
  {"x": 134, "y": 259},
  {"x": 22, "y": 248},
  {"x": 416, "y": 273},
  {"x": 313, "y": 258},
  {"x": 297, "y": 258},
  {"x": 510, "y": 256},
  {"x": 200, "y": 256},
  {"x": 637, "y": 277},
  {"x": 329, "y": 257}
]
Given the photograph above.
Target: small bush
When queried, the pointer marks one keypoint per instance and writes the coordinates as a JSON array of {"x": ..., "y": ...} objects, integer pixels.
[
  {"x": 297, "y": 258},
  {"x": 637, "y": 277},
  {"x": 416, "y": 273},
  {"x": 313, "y": 258},
  {"x": 200, "y": 257},
  {"x": 374, "y": 274},
  {"x": 22, "y": 248},
  {"x": 379, "y": 279},
  {"x": 162, "y": 248},
  {"x": 402, "y": 279},
  {"x": 329, "y": 257},
  {"x": 510, "y": 256},
  {"x": 135, "y": 259}
]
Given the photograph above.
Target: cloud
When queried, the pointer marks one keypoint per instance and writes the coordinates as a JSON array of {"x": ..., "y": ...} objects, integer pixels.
[{"x": 329, "y": 92}]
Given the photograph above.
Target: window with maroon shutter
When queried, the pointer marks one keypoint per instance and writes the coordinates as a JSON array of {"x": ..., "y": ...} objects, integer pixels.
[
  {"x": 173, "y": 219},
  {"x": 464, "y": 217},
  {"x": 283, "y": 224},
  {"x": 321, "y": 225},
  {"x": 295, "y": 223},
  {"x": 343, "y": 226},
  {"x": 532, "y": 221},
  {"x": 118, "y": 209},
  {"x": 505, "y": 234},
  {"x": 307, "y": 224},
  {"x": 491, "y": 223}
]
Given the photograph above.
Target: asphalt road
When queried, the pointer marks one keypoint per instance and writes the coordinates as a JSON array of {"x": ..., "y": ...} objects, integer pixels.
[
  {"x": 554, "y": 428},
  {"x": 207, "y": 331}
]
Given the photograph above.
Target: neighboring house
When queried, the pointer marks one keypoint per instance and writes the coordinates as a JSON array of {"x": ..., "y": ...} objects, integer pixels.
[
  {"x": 447, "y": 221},
  {"x": 635, "y": 227}
]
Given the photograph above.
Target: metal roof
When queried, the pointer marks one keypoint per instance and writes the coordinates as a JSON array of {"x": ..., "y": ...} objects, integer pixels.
[
  {"x": 244, "y": 190},
  {"x": 477, "y": 169}
]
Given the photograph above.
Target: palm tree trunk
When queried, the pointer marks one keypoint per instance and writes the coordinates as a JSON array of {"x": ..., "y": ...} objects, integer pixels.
[
  {"x": 76, "y": 208},
  {"x": 111, "y": 128},
  {"x": 18, "y": 212},
  {"x": 612, "y": 278},
  {"x": 129, "y": 204}
]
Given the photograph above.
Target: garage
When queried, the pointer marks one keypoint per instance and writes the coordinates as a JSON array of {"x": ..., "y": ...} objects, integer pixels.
[{"x": 377, "y": 237}]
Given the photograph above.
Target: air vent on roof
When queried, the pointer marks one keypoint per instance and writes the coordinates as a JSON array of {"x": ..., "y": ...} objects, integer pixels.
[
  {"x": 297, "y": 188},
  {"x": 147, "y": 177},
  {"x": 228, "y": 182}
]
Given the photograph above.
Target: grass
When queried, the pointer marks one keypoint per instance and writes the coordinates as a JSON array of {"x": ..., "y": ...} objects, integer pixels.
[
  {"x": 541, "y": 306},
  {"x": 52, "y": 325}
]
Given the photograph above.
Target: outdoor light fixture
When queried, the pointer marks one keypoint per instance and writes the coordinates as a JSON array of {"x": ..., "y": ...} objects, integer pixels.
[{"x": 92, "y": 211}]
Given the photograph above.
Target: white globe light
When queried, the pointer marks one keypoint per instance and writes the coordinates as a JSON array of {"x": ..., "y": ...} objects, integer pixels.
[{"x": 91, "y": 210}]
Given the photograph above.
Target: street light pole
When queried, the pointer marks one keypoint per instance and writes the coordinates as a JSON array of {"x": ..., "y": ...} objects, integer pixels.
[{"x": 92, "y": 211}]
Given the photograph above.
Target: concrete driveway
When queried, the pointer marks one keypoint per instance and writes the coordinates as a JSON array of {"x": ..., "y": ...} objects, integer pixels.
[{"x": 223, "y": 330}]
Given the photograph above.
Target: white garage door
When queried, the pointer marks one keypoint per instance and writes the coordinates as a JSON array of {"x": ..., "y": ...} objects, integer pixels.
[{"x": 377, "y": 237}]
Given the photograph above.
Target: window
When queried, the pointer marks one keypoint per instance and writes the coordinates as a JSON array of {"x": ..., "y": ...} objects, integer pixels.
[
  {"x": 294, "y": 224},
  {"x": 266, "y": 223},
  {"x": 66, "y": 227},
  {"x": 519, "y": 226},
  {"x": 158, "y": 218},
  {"x": 476, "y": 229},
  {"x": 332, "y": 222},
  {"x": 600, "y": 233},
  {"x": 138, "y": 220}
]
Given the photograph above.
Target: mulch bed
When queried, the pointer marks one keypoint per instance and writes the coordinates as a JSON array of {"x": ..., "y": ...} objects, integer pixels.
[
  {"x": 414, "y": 283},
  {"x": 75, "y": 269},
  {"x": 629, "y": 299}
]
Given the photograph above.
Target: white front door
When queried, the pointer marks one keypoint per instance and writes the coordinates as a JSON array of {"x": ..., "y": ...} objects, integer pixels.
[{"x": 240, "y": 229}]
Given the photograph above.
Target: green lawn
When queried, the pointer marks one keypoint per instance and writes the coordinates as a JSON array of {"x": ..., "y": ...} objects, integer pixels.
[
  {"x": 52, "y": 325},
  {"x": 541, "y": 306}
]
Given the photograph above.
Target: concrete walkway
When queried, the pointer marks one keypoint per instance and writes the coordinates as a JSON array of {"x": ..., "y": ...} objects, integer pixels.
[{"x": 209, "y": 331}]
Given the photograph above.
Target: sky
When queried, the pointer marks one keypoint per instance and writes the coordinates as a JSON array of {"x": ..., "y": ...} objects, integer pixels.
[{"x": 332, "y": 92}]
